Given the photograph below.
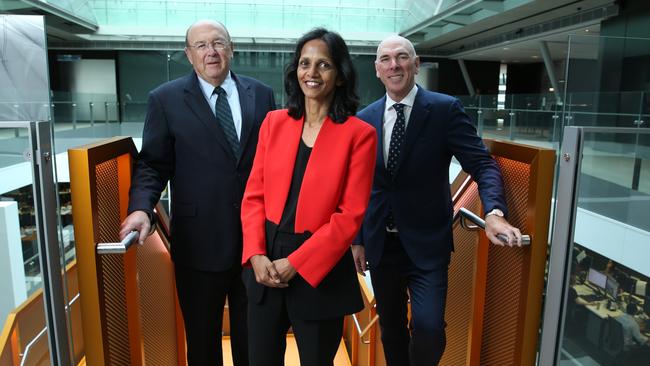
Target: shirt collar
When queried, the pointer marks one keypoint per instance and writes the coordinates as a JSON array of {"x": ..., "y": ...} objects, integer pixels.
[
  {"x": 408, "y": 100},
  {"x": 228, "y": 84}
]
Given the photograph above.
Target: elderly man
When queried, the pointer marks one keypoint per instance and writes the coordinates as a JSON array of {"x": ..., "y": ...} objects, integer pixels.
[
  {"x": 406, "y": 236},
  {"x": 200, "y": 134}
]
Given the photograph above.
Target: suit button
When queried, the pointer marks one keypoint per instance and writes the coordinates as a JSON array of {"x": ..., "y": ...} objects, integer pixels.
[{"x": 235, "y": 205}]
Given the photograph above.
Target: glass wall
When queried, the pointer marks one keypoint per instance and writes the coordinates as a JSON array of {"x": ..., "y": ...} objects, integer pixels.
[
  {"x": 31, "y": 222},
  {"x": 139, "y": 72},
  {"x": 262, "y": 19},
  {"x": 606, "y": 303}
]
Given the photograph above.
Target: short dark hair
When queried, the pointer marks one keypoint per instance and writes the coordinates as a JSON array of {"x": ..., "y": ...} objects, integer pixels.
[{"x": 345, "y": 101}]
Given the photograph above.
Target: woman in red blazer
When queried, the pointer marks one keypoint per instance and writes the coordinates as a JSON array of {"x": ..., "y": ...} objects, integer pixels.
[{"x": 304, "y": 203}]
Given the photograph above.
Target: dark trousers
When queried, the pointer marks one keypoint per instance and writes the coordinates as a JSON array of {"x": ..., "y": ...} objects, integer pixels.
[
  {"x": 270, "y": 319},
  {"x": 317, "y": 340},
  {"x": 422, "y": 342},
  {"x": 202, "y": 296}
]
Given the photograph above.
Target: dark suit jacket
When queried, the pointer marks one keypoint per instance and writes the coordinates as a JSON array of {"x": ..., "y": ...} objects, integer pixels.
[
  {"x": 331, "y": 203},
  {"x": 419, "y": 194},
  {"x": 183, "y": 143}
]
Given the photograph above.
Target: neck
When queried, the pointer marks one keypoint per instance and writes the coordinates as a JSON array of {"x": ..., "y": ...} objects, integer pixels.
[
  {"x": 315, "y": 111},
  {"x": 398, "y": 97}
]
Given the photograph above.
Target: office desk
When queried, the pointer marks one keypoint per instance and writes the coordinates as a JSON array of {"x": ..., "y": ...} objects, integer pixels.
[
  {"x": 601, "y": 311},
  {"x": 597, "y": 314},
  {"x": 583, "y": 290}
]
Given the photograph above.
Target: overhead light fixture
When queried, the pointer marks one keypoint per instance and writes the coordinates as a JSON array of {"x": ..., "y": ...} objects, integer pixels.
[{"x": 551, "y": 89}]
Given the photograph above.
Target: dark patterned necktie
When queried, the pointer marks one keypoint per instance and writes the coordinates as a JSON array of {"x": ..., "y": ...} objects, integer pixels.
[
  {"x": 396, "y": 139},
  {"x": 224, "y": 116}
]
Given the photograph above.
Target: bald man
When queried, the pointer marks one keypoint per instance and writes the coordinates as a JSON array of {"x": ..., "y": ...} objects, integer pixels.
[
  {"x": 200, "y": 134},
  {"x": 406, "y": 237}
]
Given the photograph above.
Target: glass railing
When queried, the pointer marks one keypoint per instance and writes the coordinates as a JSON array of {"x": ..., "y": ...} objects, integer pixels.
[
  {"x": 539, "y": 118},
  {"x": 604, "y": 257},
  {"x": 536, "y": 118}
]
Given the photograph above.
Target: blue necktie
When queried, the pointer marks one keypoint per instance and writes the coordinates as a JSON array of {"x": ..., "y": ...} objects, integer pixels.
[
  {"x": 224, "y": 116},
  {"x": 396, "y": 139}
]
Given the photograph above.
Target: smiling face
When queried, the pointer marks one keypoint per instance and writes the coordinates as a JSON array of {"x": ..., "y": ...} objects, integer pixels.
[
  {"x": 209, "y": 50},
  {"x": 317, "y": 74},
  {"x": 396, "y": 66}
]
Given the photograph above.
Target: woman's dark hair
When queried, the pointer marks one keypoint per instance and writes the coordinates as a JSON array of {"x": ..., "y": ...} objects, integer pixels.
[{"x": 345, "y": 101}]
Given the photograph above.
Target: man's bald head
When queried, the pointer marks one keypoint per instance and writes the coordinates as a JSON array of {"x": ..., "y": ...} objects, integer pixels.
[
  {"x": 206, "y": 22},
  {"x": 397, "y": 39}
]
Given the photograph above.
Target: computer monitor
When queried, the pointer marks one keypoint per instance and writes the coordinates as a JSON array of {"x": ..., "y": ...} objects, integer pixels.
[
  {"x": 597, "y": 278},
  {"x": 611, "y": 287},
  {"x": 640, "y": 288}
]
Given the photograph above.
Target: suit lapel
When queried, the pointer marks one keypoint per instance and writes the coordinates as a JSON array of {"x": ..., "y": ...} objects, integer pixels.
[
  {"x": 377, "y": 120},
  {"x": 417, "y": 119},
  {"x": 247, "y": 103},
  {"x": 199, "y": 106}
]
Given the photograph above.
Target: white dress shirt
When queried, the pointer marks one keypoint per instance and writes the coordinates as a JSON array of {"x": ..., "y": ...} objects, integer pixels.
[
  {"x": 390, "y": 116},
  {"x": 233, "y": 99}
]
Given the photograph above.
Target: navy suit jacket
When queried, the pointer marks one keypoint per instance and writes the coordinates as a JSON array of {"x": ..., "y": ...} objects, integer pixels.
[
  {"x": 419, "y": 192},
  {"x": 184, "y": 144}
]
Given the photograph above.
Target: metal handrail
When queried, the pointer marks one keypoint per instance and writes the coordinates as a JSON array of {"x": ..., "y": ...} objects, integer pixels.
[
  {"x": 40, "y": 334},
  {"x": 365, "y": 330},
  {"x": 118, "y": 248},
  {"x": 464, "y": 214}
]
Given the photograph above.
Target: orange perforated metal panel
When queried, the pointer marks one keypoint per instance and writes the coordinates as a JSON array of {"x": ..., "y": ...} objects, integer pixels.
[
  {"x": 495, "y": 292},
  {"x": 157, "y": 302},
  {"x": 505, "y": 291},
  {"x": 129, "y": 309},
  {"x": 458, "y": 314},
  {"x": 112, "y": 269}
]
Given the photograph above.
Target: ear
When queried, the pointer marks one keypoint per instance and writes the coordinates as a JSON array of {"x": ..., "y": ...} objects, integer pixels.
[
  {"x": 232, "y": 49},
  {"x": 417, "y": 64},
  {"x": 376, "y": 70},
  {"x": 188, "y": 55}
]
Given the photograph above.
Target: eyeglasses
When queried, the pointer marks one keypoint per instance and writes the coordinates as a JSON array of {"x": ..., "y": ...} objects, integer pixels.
[{"x": 217, "y": 45}]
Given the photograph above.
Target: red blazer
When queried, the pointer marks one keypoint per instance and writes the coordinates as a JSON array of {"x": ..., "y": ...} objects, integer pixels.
[{"x": 333, "y": 196}]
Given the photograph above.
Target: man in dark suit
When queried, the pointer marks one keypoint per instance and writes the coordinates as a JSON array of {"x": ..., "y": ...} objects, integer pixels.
[
  {"x": 406, "y": 236},
  {"x": 200, "y": 134}
]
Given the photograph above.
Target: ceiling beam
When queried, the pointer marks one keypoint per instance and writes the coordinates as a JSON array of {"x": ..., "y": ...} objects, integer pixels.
[{"x": 450, "y": 10}]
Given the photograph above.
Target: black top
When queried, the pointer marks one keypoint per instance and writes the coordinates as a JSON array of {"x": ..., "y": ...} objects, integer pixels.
[{"x": 288, "y": 220}]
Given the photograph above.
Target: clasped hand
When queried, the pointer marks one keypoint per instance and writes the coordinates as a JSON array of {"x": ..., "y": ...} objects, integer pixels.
[{"x": 275, "y": 273}]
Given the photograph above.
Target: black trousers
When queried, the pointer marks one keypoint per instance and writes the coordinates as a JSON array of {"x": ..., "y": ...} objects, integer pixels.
[
  {"x": 202, "y": 297},
  {"x": 422, "y": 342},
  {"x": 317, "y": 340},
  {"x": 270, "y": 319}
]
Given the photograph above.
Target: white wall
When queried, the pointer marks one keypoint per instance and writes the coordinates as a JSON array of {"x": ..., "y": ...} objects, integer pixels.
[
  {"x": 12, "y": 269},
  {"x": 94, "y": 80},
  {"x": 625, "y": 244}
]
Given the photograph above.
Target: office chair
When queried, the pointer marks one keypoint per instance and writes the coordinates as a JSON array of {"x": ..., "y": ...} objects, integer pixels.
[{"x": 613, "y": 342}]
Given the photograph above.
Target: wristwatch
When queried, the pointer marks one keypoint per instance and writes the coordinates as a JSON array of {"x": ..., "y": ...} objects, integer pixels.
[{"x": 495, "y": 212}]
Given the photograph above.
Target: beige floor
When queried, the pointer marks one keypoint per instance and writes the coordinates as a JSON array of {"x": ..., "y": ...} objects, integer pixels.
[{"x": 291, "y": 355}]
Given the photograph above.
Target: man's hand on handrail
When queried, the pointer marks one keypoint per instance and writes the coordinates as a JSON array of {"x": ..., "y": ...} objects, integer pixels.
[
  {"x": 497, "y": 227},
  {"x": 139, "y": 221}
]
